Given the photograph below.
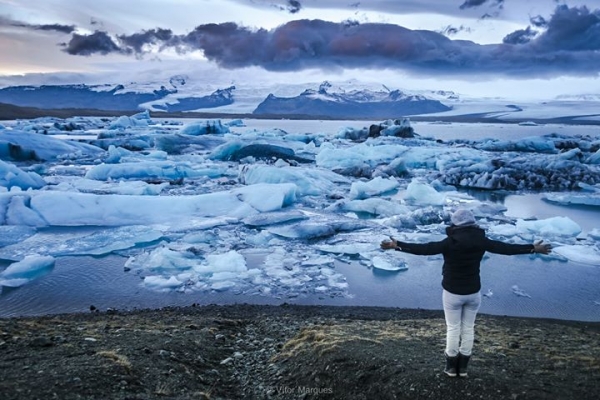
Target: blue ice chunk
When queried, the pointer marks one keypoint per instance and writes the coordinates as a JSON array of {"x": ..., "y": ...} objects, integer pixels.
[{"x": 26, "y": 270}]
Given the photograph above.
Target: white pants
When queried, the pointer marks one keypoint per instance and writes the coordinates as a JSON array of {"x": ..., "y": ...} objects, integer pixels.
[{"x": 460, "y": 312}]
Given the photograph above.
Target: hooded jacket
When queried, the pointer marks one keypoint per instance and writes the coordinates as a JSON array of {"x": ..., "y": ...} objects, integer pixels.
[{"x": 463, "y": 251}]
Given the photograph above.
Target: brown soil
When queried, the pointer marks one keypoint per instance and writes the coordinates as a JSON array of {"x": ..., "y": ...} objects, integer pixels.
[{"x": 290, "y": 352}]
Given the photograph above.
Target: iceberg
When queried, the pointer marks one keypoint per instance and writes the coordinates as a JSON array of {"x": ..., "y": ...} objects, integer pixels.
[
  {"x": 28, "y": 269},
  {"x": 534, "y": 144},
  {"x": 274, "y": 218},
  {"x": 12, "y": 176},
  {"x": 51, "y": 208},
  {"x": 555, "y": 226},
  {"x": 590, "y": 199},
  {"x": 423, "y": 194},
  {"x": 375, "y": 206},
  {"x": 361, "y": 190},
  {"x": 21, "y": 146},
  {"x": 205, "y": 128},
  {"x": 309, "y": 182},
  {"x": 152, "y": 170},
  {"x": 579, "y": 253},
  {"x": 388, "y": 264}
]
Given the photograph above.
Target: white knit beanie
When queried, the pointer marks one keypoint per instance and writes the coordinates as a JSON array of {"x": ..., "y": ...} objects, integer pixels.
[{"x": 462, "y": 217}]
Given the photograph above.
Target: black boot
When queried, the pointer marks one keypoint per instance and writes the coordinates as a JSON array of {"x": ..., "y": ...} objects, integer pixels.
[
  {"x": 451, "y": 366},
  {"x": 463, "y": 361}
]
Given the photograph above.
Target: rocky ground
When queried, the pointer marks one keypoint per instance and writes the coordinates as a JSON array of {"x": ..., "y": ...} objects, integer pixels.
[{"x": 290, "y": 352}]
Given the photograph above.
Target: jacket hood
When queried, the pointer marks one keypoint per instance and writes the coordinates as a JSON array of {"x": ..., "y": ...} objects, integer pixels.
[{"x": 465, "y": 236}]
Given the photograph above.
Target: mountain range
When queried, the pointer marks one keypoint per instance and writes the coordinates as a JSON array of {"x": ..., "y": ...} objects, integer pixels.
[
  {"x": 206, "y": 97},
  {"x": 349, "y": 100}
]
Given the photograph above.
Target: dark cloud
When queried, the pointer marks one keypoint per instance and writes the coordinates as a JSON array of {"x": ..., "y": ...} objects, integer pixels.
[
  {"x": 153, "y": 36},
  {"x": 98, "y": 42},
  {"x": 521, "y": 36},
  {"x": 38, "y": 27},
  {"x": 571, "y": 29},
  {"x": 294, "y": 6},
  {"x": 291, "y": 6},
  {"x": 538, "y": 21},
  {"x": 453, "y": 30},
  {"x": 55, "y": 27},
  {"x": 569, "y": 45},
  {"x": 472, "y": 3}
]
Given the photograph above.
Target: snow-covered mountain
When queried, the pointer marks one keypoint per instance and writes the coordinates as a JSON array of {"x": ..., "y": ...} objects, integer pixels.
[
  {"x": 348, "y": 99},
  {"x": 352, "y": 103},
  {"x": 180, "y": 93},
  {"x": 115, "y": 97}
]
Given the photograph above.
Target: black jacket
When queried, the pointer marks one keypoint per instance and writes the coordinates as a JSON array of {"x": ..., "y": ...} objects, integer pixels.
[{"x": 463, "y": 251}]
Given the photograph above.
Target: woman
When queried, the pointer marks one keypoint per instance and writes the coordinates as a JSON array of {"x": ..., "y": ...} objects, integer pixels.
[{"x": 463, "y": 250}]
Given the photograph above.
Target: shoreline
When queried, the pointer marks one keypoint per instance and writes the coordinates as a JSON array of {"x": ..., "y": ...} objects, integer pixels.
[
  {"x": 246, "y": 351},
  {"x": 362, "y": 311}
]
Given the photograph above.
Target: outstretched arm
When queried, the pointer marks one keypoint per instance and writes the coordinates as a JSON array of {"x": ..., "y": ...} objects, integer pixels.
[
  {"x": 495, "y": 246},
  {"x": 422, "y": 249}
]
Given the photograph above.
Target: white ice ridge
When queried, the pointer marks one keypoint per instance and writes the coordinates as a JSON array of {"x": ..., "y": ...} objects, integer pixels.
[{"x": 50, "y": 208}]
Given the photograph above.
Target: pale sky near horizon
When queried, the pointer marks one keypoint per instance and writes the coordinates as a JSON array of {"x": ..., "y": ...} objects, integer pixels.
[{"x": 505, "y": 48}]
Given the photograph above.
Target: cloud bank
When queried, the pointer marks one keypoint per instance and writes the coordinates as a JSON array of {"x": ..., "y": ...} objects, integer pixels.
[
  {"x": 4, "y": 21},
  {"x": 568, "y": 45}
]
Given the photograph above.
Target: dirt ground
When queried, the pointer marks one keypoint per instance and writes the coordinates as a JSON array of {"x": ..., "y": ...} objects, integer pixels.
[{"x": 290, "y": 352}]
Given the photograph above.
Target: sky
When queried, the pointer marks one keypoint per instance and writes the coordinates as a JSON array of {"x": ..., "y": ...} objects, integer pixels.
[{"x": 484, "y": 48}]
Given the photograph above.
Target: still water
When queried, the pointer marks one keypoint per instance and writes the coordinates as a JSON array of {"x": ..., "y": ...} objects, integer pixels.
[{"x": 556, "y": 289}]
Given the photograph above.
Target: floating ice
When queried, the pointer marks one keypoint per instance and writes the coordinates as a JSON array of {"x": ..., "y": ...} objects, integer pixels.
[
  {"x": 388, "y": 263},
  {"x": 519, "y": 292},
  {"x": 362, "y": 190},
  {"x": 535, "y": 144},
  {"x": 162, "y": 284},
  {"x": 374, "y": 206},
  {"x": 560, "y": 226},
  {"x": 108, "y": 240},
  {"x": 19, "y": 145},
  {"x": 229, "y": 262},
  {"x": 594, "y": 158},
  {"x": 303, "y": 230},
  {"x": 357, "y": 157},
  {"x": 11, "y": 176},
  {"x": 123, "y": 122},
  {"x": 310, "y": 181},
  {"x": 85, "y": 185},
  {"x": 26, "y": 270},
  {"x": 274, "y": 218},
  {"x": 579, "y": 253},
  {"x": 205, "y": 128},
  {"x": 77, "y": 209},
  {"x": 10, "y": 234},
  {"x": 589, "y": 199},
  {"x": 152, "y": 170},
  {"x": 423, "y": 194}
]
